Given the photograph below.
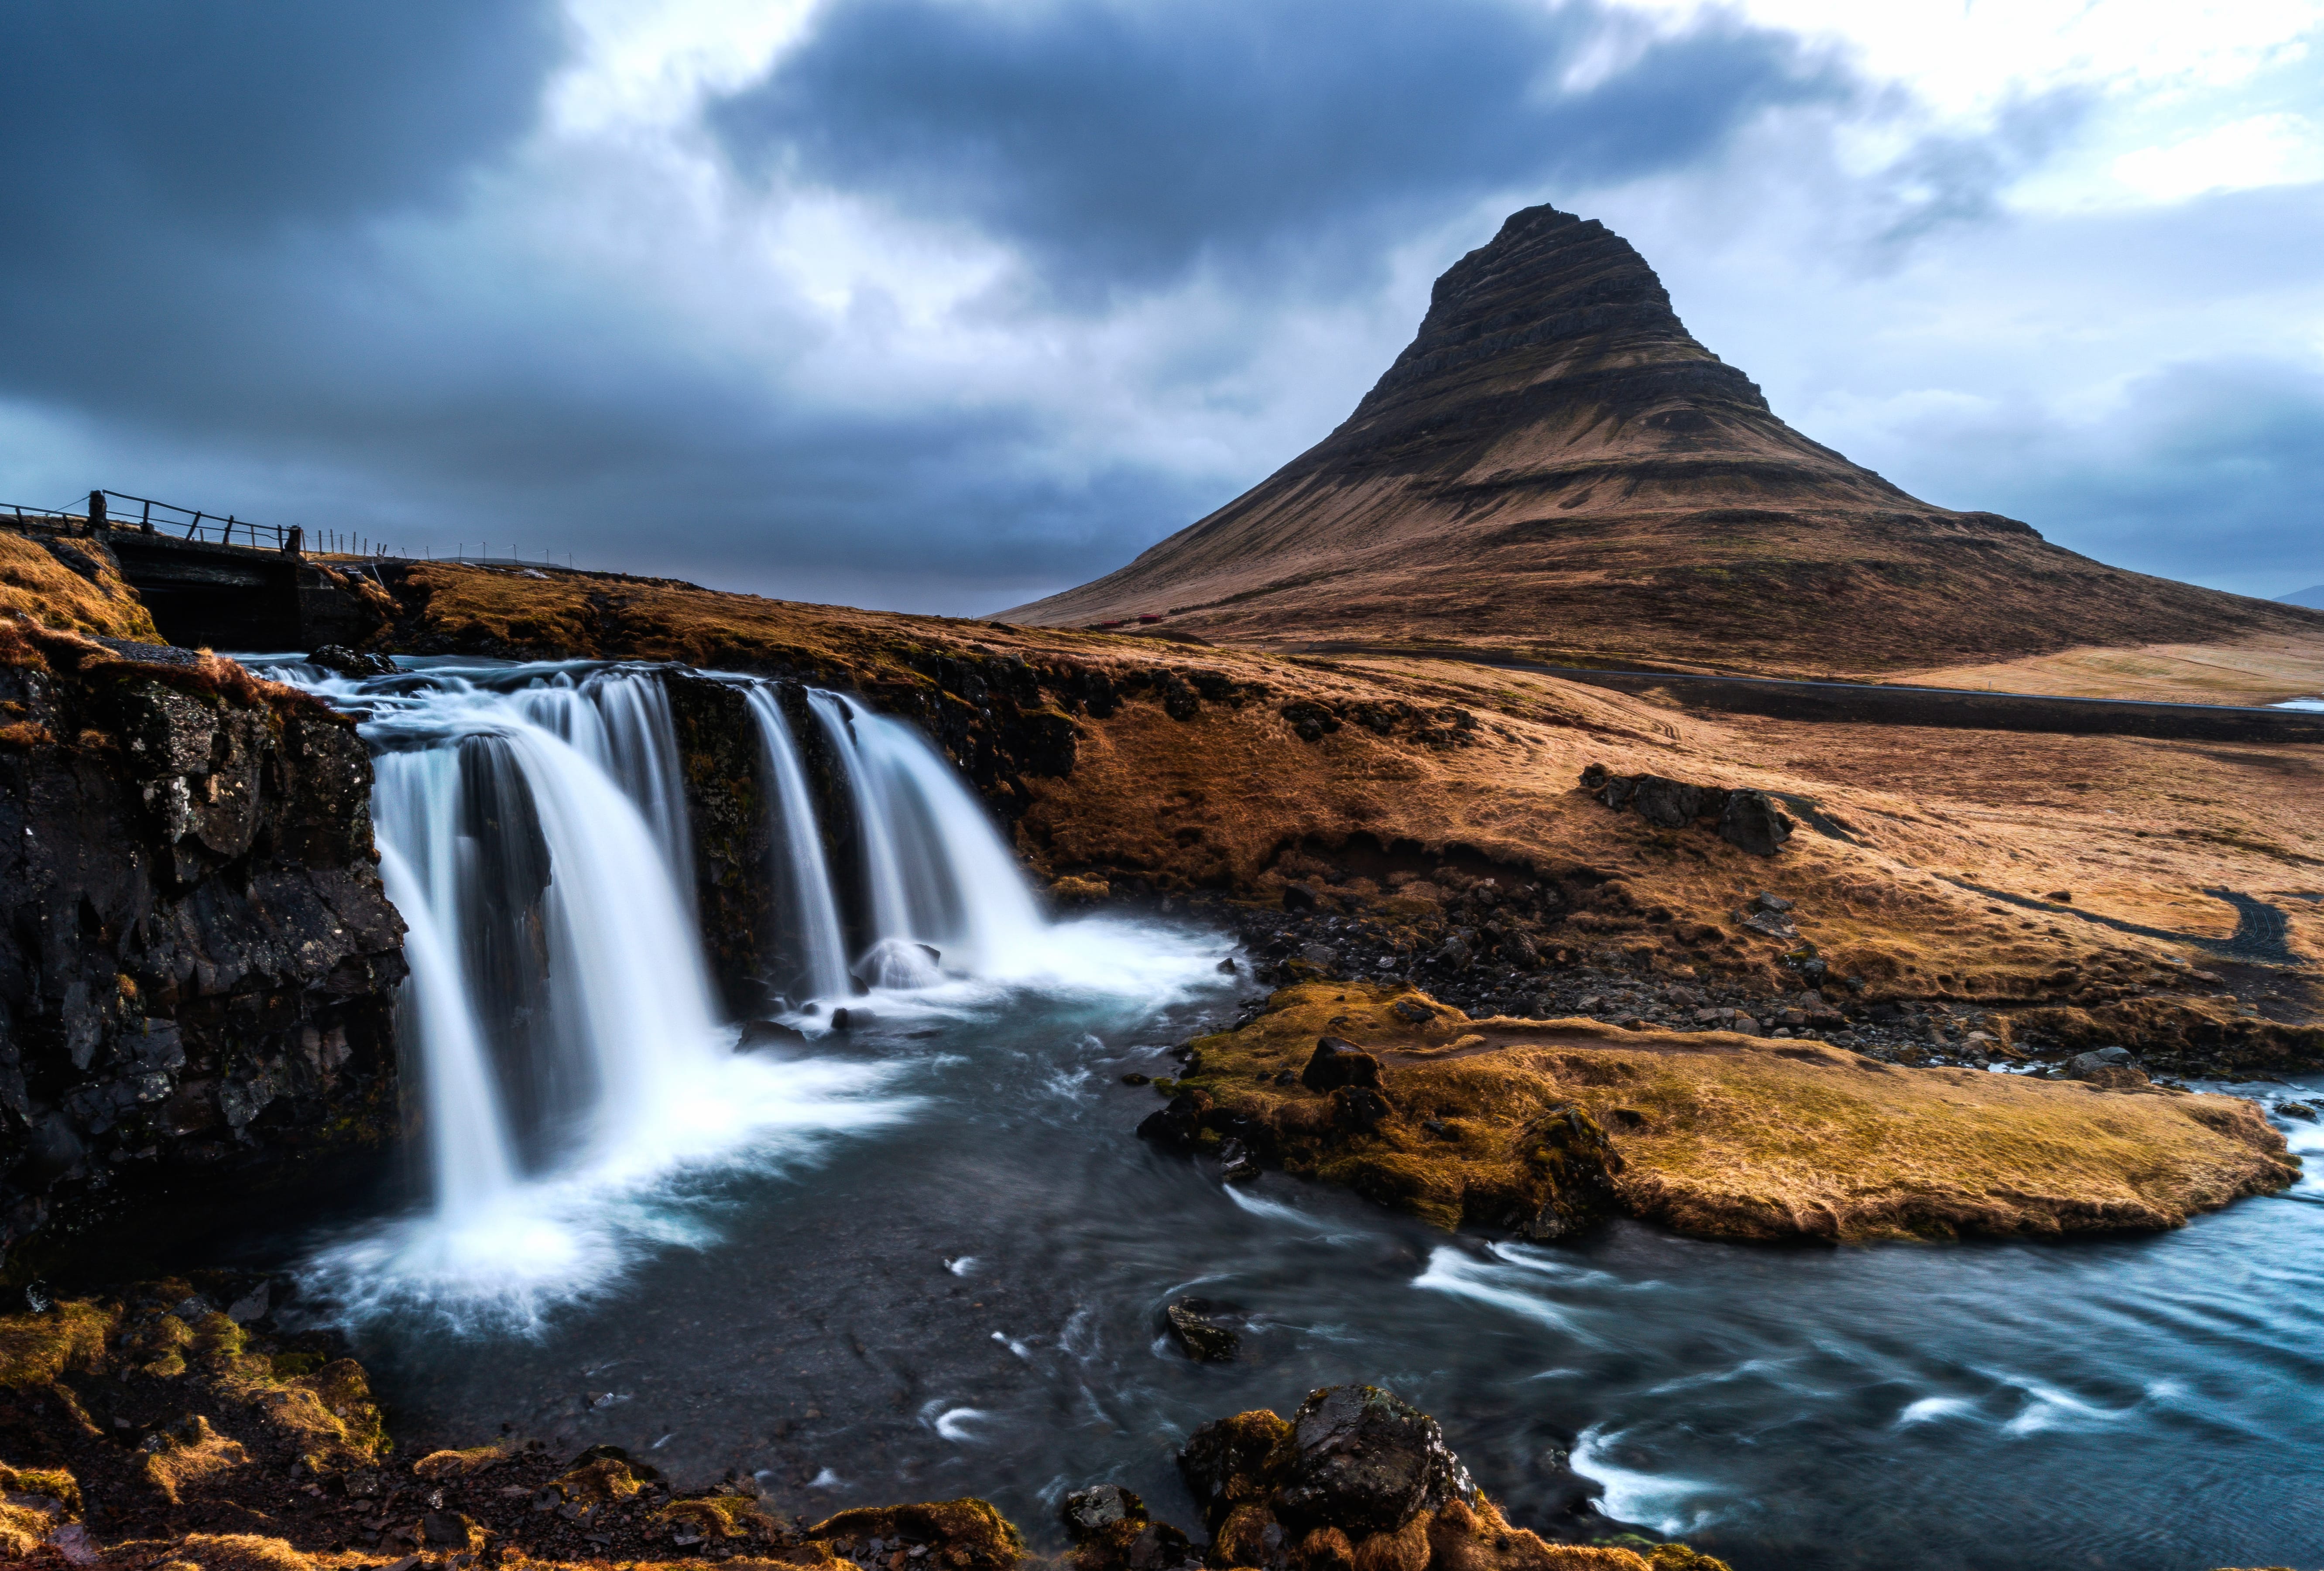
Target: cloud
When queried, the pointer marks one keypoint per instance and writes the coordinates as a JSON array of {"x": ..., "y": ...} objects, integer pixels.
[
  {"x": 1121, "y": 147},
  {"x": 2204, "y": 469},
  {"x": 955, "y": 302}
]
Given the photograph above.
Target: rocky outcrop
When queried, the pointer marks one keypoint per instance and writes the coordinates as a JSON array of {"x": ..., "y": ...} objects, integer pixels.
[
  {"x": 1538, "y": 1127},
  {"x": 1556, "y": 466},
  {"x": 1743, "y": 817},
  {"x": 1359, "y": 1478},
  {"x": 197, "y": 957}
]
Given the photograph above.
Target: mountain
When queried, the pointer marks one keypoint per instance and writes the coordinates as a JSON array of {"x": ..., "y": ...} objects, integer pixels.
[
  {"x": 2312, "y": 597},
  {"x": 1555, "y": 468}
]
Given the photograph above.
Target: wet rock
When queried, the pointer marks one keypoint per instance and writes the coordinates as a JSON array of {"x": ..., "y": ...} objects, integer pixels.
[
  {"x": 1300, "y": 897},
  {"x": 1087, "y": 1511},
  {"x": 1571, "y": 1150},
  {"x": 1335, "y": 1063},
  {"x": 768, "y": 1033},
  {"x": 1180, "y": 1124},
  {"x": 1236, "y": 1163},
  {"x": 2299, "y": 1110},
  {"x": 355, "y": 663},
  {"x": 1364, "y": 1461},
  {"x": 1135, "y": 1079},
  {"x": 1193, "y": 1326}
]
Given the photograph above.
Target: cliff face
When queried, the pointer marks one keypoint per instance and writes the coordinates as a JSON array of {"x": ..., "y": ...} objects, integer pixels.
[
  {"x": 1556, "y": 466},
  {"x": 196, "y": 958}
]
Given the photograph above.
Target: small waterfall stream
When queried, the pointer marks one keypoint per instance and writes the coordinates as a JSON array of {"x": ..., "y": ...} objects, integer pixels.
[{"x": 560, "y": 1019}]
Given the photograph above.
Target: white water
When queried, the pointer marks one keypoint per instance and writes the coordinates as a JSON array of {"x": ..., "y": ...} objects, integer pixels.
[
  {"x": 801, "y": 864},
  {"x": 562, "y": 1021},
  {"x": 935, "y": 873}
]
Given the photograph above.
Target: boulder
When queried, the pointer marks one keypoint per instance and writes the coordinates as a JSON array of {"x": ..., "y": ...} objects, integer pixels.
[
  {"x": 1192, "y": 1325},
  {"x": 1337, "y": 1063},
  {"x": 346, "y": 662},
  {"x": 1180, "y": 1124},
  {"x": 1365, "y": 1461},
  {"x": 1752, "y": 821},
  {"x": 2108, "y": 1068}
]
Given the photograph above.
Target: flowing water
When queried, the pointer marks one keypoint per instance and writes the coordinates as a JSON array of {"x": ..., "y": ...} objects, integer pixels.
[{"x": 925, "y": 1258}]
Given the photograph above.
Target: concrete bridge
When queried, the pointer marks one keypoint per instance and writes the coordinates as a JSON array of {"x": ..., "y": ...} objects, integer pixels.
[{"x": 211, "y": 592}]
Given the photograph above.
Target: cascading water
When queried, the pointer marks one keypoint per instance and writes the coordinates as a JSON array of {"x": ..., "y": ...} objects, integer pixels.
[
  {"x": 935, "y": 874},
  {"x": 560, "y": 1017},
  {"x": 802, "y": 871}
]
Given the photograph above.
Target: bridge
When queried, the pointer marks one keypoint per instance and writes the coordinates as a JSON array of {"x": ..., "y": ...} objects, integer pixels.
[{"x": 206, "y": 589}]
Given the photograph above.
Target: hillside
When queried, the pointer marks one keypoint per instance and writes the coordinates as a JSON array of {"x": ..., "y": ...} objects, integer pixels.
[{"x": 1555, "y": 467}]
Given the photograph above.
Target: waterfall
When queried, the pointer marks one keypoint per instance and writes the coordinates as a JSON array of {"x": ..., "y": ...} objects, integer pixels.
[
  {"x": 560, "y": 1015},
  {"x": 801, "y": 870},
  {"x": 935, "y": 872}
]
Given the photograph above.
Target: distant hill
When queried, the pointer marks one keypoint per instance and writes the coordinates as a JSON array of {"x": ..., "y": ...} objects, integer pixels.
[
  {"x": 2312, "y": 597},
  {"x": 1555, "y": 467}
]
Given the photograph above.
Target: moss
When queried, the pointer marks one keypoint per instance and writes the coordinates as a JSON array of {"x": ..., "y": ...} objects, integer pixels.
[
  {"x": 37, "y": 1349},
  {"x": 964, "y": 1535},
  {"x": 1723, "y": 1134},
  {"x": 443, "y": 1465},
  {"x": 720, "y": 1516},
  {"x": 189, "y": 1452}
]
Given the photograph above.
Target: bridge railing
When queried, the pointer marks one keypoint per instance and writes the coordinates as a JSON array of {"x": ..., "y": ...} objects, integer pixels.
[{"x": 143, "y": 515}]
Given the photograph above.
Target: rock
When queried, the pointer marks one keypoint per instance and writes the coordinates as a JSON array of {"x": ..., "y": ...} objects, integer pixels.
[
  {"x": 1236, "y": 1163},
  {"x": 1364, "y": 1461},
  {"x": 1203, "y": 1338},
  {"x": 2299, "y": 1110},
  {"x": 1322, "y": 956},
  {"x": 252, "y": 1306},
  {"x": 1412, "y": 1011},
  {"x": 2110, "y": 1068},
  {"x": 1359, "y": 1109},
  {"x": 354, "y": 662},
  {"x": 1454, "y": 954},
  {"x": 1771, "y": 924},
  {"x": 1227, "y": 965},
  {"x": 1335, "y": 1063},
  {"x": 1087, "y": 1511},
  {"x": 768, "y": 1033},
  {"x": 1574, "y": 1152},
  {"x": 1300, "y": 897},
  {"x": 1752, "y": 823},
  {"x": 1766, "y": 901},
  {"x": 1670, "y": 803},
  {"x": 1134, "y": 1079},
  {"x": 850, "y": 1017},
  {"x": 1180, "y": 1124}
]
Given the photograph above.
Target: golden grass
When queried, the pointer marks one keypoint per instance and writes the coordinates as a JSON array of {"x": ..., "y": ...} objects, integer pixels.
[
  {"x": 2136, "y": 828},
  {"x": 1736, "y": 1137},
  {"x": 34, "y": 584},
  {"x": 2267, "y": 668}
]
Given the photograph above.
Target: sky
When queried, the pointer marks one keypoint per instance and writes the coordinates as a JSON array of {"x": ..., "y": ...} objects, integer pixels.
[{"x": 942, "y": 305}]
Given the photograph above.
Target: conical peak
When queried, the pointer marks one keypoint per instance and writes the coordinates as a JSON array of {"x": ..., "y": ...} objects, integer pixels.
[{"x": 1553, "y": 295}]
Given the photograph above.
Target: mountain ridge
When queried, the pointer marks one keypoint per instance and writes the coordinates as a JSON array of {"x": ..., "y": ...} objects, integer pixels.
[{"x": 1555, "y": 465}]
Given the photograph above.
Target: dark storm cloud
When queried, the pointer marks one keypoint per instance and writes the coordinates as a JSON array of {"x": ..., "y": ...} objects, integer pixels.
[{"x": 1121, "y": 146}]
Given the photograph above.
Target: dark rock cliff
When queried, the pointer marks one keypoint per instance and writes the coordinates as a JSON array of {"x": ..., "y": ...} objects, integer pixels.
[{"x": 196, "y": 958}]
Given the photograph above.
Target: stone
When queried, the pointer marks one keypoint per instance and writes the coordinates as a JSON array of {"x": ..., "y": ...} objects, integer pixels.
[
  {"x": 1364, "y": 1461},
  {"x": 1180, "y": 1124},
  {"x": 2299, "y": 1110},
  {"x": 768, "y": 1033},
  {"x": 1454, "y": 954},
  {"x": 1300, "y": 897},
  {"x": 1412, "y": 1011},
  {"x": 1668, "y": 804},
  {"x": 1204, "y": 1340},
  {"x": 1770, "y": 924},
  {"x": 1769, "y": 901},
  {"x": 1236, "y": 1163},
  {"x": 1359, "y": 1109},
  {"x": 1087, "y": 1511},
  {"x": 1322, "y": 956},
  {"x": 2108, "y": 1068},
  {"x": 1335, "y": 1063},
  {"x": 354, "y": 663},
  {"x": 1752, "y": 823}
]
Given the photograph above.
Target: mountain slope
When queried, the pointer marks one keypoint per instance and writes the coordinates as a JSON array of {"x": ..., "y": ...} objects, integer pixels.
[{"x": 1555, "y": 467}]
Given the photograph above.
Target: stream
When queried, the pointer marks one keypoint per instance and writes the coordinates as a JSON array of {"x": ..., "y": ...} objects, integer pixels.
[{"x": 925, "y": 1257}]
